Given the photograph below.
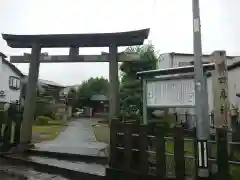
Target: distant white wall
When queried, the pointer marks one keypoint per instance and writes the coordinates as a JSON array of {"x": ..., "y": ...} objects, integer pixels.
[
  {"x": 185, "y": 60},
  {"x": 171, "y": 60},
  {"x": 165, "y": 61},
  {"x": 11, "y": 95}
]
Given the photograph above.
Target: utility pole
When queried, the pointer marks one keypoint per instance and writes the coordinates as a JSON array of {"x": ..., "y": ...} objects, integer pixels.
[{"x": 201, "y": 97}]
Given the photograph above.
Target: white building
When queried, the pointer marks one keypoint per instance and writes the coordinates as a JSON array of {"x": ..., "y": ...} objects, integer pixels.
[
  {"x": 10, "y": 78},
  {"x": 173, "y": 60}
]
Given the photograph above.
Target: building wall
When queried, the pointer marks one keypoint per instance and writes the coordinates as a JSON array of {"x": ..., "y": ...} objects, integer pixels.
[
  {"x": 11, "y": 94},
  {"x": 170, "y": 60},
  {"x": 165, "y": 62},
  {"x": 185, "y": 60}
]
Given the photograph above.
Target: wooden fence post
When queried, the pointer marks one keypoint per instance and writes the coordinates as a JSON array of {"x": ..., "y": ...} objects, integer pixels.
[
  {"x": 143, "y": 137},
  {"x": 113, "y": 143},
  {"x": 222, "y": 154},
  {"x": 127, "y": 147},
  {"x": 179, "y": 152},
  {"x": 160, "y": 154},
  {"x": 7, "y": 131},
  {"x": 17, "y": 130},
  {"x": 176, "y": 117}
]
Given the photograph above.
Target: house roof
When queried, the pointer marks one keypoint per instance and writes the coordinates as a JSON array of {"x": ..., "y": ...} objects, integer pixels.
[
  {"x": 189, "y": 54},
  {"x": 78, "y": 40},
  {"x": 42, "y": 82},
  {"x": 14, "y": 68},
  {"x": 17, "y": 71},
  {"x": 234, "y": 65},
  {"x": 2, "y": 55},
  {"x": 50, "y": 83}
]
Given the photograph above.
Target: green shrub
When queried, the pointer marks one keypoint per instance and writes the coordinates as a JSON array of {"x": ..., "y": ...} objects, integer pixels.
[
  {"x": 235, "y": 172},
  {"x": 42, "y": 120},
  {"x": 44, "y": 109}
]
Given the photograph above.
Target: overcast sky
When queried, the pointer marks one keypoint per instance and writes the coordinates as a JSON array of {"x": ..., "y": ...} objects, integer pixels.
[{"x": 170, "y": 22}]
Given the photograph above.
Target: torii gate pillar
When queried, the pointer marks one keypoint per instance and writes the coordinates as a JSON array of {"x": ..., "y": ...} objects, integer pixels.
[
  {"x": 30, "y": 101},
  {"x": 114, "y": 82}
]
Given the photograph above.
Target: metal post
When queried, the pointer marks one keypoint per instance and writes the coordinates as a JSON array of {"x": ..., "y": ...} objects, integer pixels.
[
  {"x": 30, "y": 101},
  {"x": 114, "y": 82},
  {"x": 200, "y": 97}
]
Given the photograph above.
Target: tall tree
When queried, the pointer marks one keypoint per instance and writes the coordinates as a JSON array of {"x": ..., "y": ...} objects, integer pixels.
[
  {"x": 72, "y": 98},
  {"x": 91, "y": 87},
  {"x": 130, "y": 88}
]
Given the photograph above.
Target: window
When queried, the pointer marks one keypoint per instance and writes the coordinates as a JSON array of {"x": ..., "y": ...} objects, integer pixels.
[
  {"x": 14, "y": 82},
  {"x": 204, "y": 62},
  {"x": 181, "y": 64}
]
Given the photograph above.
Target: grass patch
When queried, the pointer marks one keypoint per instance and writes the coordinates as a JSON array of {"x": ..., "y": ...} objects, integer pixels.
[
  {"x": 45, "y": 133},
  {"x": 54, "y": 122},
  {"x": 188, "y": 147},
  {"x": 102, "y": 132}
]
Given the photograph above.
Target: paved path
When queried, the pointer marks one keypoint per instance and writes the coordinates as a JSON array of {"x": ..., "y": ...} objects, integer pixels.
[
  {"x": 78, "y": 138},
  {"x": 13, "y": 172}
]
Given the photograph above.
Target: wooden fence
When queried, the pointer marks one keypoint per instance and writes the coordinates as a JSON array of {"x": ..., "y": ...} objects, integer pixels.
[
  {"x": 10, "y": 125},
  {"x": 132, "y": 148}
]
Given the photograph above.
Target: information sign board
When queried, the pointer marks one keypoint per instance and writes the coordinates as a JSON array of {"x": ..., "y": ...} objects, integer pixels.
[{"x": 171, "y": 93}]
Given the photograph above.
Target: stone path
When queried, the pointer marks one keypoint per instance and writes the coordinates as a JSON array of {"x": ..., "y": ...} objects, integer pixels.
[
  {"x": 91, "y": 168},
  {"x": 78, "y": 138},
  {"x": 12, "y": 172}
]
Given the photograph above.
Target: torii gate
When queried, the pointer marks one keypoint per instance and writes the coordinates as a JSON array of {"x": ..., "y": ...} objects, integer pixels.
[{"x": 74, "y": 42}]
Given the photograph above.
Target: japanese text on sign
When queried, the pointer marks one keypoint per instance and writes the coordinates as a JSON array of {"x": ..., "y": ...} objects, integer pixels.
[{"x": 171, "y": 93}]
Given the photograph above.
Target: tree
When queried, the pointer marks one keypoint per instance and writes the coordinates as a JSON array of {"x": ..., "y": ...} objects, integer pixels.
[
  {"x": 130, "y": 88},
  {"x": 92, "y": 87},
  {"x": 72, "y": 98},
  {"x": 72, "y": 94}
]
